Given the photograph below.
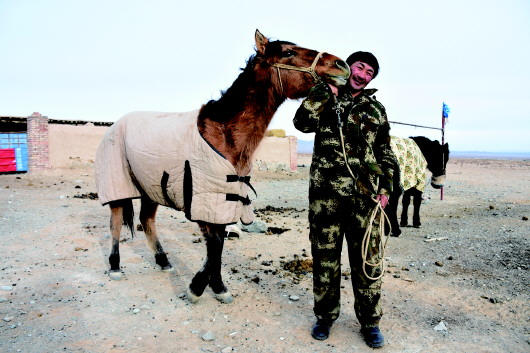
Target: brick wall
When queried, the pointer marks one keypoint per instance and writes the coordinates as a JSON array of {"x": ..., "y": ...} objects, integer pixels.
[{"x": 38, "y": 143}]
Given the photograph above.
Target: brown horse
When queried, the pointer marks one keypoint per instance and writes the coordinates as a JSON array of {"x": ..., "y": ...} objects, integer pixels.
[{"x": 133, "y": 160}]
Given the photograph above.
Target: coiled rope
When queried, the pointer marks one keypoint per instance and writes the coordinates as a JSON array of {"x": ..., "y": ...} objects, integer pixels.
[{"x": 379, "y": 237}]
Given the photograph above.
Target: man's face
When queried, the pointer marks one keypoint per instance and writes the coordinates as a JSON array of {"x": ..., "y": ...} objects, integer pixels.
[{"x": 361, "y": 75}]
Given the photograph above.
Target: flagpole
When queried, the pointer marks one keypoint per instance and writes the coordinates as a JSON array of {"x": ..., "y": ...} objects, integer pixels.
[{"x": 443, "y": 141}]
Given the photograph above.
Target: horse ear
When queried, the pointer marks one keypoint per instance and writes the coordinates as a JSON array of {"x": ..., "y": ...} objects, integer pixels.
[{"x": 261, "y": 42}]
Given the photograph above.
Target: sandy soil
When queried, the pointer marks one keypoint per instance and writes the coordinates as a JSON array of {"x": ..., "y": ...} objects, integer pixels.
[{"x": 466, "y": 267}]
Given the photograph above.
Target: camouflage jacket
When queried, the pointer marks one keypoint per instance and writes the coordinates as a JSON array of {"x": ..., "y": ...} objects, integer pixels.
[{"x": 365, "y": 129}]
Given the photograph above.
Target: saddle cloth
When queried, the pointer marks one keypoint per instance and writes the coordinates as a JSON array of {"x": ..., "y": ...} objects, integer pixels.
[
  {"x": 164, "y": 156},
  {"x": 412, "y": 163}
]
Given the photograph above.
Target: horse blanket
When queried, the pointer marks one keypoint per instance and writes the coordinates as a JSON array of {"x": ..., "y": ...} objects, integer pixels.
[
  {"x": 412, "y": 163},
  {"x": 164, "y": 156}
]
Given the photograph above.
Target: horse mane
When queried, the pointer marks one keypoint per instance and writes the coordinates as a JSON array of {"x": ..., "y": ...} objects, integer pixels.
[{"x": 231, "y": 103}]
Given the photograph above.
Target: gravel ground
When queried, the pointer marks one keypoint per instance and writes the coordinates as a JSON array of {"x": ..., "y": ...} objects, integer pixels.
[{"x": 457, "y": 284}]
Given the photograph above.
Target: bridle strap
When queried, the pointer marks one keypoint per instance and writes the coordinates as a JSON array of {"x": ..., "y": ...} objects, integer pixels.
[{"x": 310, "y": 70}]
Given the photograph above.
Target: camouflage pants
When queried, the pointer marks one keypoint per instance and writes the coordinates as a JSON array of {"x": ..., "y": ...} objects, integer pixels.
[{"x": 330, "y": 221}]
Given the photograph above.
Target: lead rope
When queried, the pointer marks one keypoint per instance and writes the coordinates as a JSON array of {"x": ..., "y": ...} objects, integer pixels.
[{"x": 365, "y": 245}]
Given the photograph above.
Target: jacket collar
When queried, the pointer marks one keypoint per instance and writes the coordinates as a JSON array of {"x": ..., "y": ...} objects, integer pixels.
[
  {"x": 369, "y": 92},
  {"x": 362, "y": 97}
]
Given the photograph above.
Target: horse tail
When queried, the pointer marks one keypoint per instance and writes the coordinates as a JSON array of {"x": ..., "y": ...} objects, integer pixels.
[{"x": 128, "y": 215}]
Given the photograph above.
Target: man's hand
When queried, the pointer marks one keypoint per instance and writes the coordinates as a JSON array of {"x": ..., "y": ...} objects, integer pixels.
[
  {"x": 321, "y": 92},
  {"x": 383, "y": 199}
]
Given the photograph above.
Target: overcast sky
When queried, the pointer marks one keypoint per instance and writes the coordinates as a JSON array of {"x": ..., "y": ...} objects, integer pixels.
[{"x": 97, "y": 60}]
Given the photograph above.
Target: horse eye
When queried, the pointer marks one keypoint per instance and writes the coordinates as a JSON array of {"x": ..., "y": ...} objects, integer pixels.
[{"x": 288, "y": 53}]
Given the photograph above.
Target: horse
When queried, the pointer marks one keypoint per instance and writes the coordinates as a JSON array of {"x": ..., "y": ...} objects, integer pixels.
[
  {"x": 137, "y": 156},
  {"x": 413, "y": 157}
]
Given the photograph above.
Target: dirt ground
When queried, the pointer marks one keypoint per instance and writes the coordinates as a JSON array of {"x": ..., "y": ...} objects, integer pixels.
[{"x": 460, "y": 283}]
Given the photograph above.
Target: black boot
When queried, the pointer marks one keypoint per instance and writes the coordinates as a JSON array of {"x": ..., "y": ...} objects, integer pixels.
[
  {"x": 373, "y": 336},
  {"x": 321, "y": 329}
]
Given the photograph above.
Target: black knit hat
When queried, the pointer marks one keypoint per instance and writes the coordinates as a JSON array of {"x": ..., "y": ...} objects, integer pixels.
[{"x": 364, "y": 57}]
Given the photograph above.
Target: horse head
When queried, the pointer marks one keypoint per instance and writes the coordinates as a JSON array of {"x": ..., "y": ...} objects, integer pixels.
[
  {"x": 436, "y": 156},
  {"x": 236, "y": 123},
  {"x": 297, "y": 69}
]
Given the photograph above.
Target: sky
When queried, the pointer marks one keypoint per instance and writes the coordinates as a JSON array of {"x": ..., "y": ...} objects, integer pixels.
[{"x": 98, "y": 60}]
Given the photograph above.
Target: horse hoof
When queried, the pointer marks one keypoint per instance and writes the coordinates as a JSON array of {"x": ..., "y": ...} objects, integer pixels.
[
  {"x": 116, "y": 275},
  {"x": 192, "y": 297},
  {"x": 169, "y": 269},
  {"x": 396, "y": 232},
  {"x": 225, "y": 298}
]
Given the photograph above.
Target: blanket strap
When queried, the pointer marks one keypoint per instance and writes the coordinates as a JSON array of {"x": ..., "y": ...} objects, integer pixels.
[
  {"x": 236, "y": 197},
  {"x": 242, "y": 179},
  {"x": 163, "y": 184}
]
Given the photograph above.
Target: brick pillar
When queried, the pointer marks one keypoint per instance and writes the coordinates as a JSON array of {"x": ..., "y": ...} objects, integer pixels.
[
  {"x": 293, "y": 153},
  {"x": 38, "y": 141}
]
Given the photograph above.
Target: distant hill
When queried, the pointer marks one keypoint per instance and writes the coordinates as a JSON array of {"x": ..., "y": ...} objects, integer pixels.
[
  {"x": 305, "y": 146},
  {"x": 490, "y": 155}
]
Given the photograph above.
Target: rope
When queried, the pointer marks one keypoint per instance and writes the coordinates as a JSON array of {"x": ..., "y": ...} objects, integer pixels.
[
  {"x": 365, "y": 245},
  {"x": 381, "y": 243}
]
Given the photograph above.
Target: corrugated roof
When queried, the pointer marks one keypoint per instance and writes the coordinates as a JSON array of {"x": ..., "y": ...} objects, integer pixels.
[{"x": 23, "y": 120}]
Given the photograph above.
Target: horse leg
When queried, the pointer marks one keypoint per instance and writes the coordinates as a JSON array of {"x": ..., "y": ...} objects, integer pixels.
[
  {"x": 210, "y": 274},
  {"x": 120, "y": 211},
  {"x": 215, "y": 250},
  {"x": 391, "y": 211},
  {"x": 116, "y": 221},
  {"x": 393, "y": 201},
  {"x": 417, "y": 204},
  {"x": 147, "y": 219},
  {"x": 404, "y": 212}
]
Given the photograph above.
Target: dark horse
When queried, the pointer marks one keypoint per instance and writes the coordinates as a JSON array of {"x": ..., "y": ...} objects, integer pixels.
[
  {"x": 136, "y": 152},
  {"x": 414, "y": 156}
]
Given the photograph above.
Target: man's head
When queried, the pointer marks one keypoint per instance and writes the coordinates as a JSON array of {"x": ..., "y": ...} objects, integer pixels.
[{"x": 364, "y": 68}]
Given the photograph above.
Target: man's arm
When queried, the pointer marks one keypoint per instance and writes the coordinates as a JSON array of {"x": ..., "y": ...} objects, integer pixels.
[{"x": 308, "y": 114}]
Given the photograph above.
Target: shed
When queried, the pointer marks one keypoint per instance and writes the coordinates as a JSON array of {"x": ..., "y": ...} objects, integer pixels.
[{"x": 13, "y": 144}]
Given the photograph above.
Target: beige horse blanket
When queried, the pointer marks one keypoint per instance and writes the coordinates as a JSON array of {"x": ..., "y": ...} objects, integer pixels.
[
  {"x": 412, "y": 163},
  {"x": 164, "y": 156}
]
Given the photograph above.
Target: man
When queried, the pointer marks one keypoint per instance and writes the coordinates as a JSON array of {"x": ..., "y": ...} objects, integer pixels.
[{"x": 342, "y": 196}]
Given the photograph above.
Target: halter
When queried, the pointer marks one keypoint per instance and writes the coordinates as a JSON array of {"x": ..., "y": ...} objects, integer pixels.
[{"x": 310, "y": 70}]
